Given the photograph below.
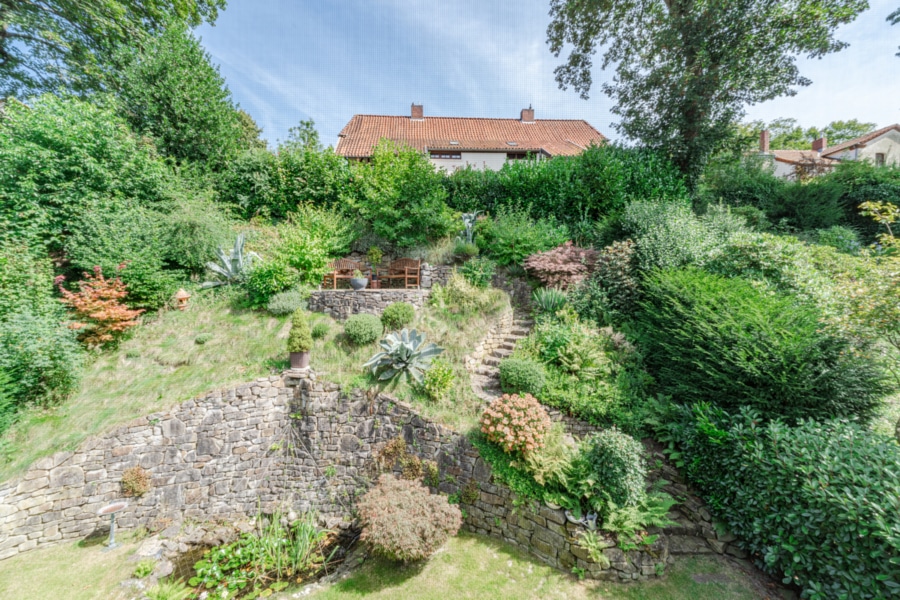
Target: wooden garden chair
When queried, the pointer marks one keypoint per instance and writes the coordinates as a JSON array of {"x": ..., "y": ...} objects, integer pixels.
[
  {"x": 405, "y": 270},
  {"x": 340, "y": 269}
]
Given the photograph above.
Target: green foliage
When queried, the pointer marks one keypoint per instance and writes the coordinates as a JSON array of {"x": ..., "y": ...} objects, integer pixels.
[
  {"x": 723, "y": 341},
  {"x": 300, "y": 338},
  {"x": 274, "y": 552},
  {"x": 363, "y": 329},
  {"x": 615, "y": 467},
  {"x": 668, "y": 235},
  {"x": 465, "y": 250},
  {"x": 551, "y": 464},
  {"x": 25, "y": 281},
  {"x": 610, "y": 295},
  {"x": 818, "y": 503},
  {"x": 598, "y": 182},
  {"x": 144, "y": 568},
  {"x": 438, "y": 381},
  {"x": 405, "y": 354},
  {"x": 520, "y": 376},
  {"x": 479, "y": 271},
  {"x": 65, "y": 43},
  {"x": 192, "y": 231},
  {"x": 512, "y": 235},
  {"x": 405, "y": 522},
  {"x": 170, "y": 90},
  {"x": 309, "y": 239},
  {"x": 233, "y": 266},
  {"x": 400, "y": 197},
  {"x": 861, "y": 181},
  {"x": 7, "y": 401},
  {"x": 269, "y": 284},
  {"x": 397, "y": 315},
  {"x": 203, "y": 338},
  {"x": 548, "y": 301},
  {"x": 674, "y": 91},
  {"x": 461, "y": 297},
  {"x": 168, "y": 589},
  {"x": 59, "y": 158},
  {"x": 628, "y": 521},
  {"x": 319, "y": 330},
  {"x": 285, "y": 303},
  {"x": 506, "y": 469}
]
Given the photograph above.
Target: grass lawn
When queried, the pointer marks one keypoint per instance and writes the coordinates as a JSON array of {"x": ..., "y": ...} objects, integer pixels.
[
  {"x": 471, "y": 566},
  {"x": 158, "y": 367}
]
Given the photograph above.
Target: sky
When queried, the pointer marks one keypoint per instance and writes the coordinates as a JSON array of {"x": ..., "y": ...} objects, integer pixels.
[{"x": 326, "y": 60}]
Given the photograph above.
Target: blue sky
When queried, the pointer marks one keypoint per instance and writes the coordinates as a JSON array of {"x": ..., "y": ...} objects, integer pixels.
[{"x": 326, "y": 60}]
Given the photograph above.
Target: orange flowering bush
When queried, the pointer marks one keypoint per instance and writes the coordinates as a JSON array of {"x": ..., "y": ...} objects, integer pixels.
[
  {"x": 516, "y": 423},
  {"x": 102, "y": 317}
]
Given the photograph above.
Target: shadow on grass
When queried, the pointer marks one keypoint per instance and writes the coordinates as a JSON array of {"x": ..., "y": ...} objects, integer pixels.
[
  {"x": 379, "y": 574},
  {"x": 97, "y": 537}
]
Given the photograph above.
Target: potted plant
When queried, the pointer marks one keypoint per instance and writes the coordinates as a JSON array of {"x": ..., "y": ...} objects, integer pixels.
[
  {"x": 375, "y": 255},
  {"x": 299, "y": 340},
  {"x": 357, "y": 281}
]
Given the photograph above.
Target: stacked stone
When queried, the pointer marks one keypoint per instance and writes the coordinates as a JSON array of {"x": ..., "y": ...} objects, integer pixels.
[
  {"x": 340, "y": 304},
  {"x": 435, "y": 274},
  {"x": 495, "y": 337}
]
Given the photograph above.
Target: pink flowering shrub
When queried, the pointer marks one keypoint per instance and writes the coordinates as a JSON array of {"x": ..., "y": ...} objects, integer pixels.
[
  {"x": 563, "y": 266},
  {"x": 516, "y": 423}
]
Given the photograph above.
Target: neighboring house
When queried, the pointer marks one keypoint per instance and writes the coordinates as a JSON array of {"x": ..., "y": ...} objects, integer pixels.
[
  {"x": 457, "y": 142},
  {"x": 881, "y": 147}
]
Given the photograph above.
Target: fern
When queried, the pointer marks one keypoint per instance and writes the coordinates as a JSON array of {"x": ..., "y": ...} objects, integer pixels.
[{"x": 629, "y": 522}]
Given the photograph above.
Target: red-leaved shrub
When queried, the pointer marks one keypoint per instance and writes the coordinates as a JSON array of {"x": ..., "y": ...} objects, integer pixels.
[
  {"x": 102, "y": 317},
  {"x": 516, "y": 423},
  {"x": 404, "y": 521},
  {"x": 562, "y": 266}
]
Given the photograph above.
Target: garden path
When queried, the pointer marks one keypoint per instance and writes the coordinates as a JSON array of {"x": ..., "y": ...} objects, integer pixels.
[{"x": 486, "y": 378}]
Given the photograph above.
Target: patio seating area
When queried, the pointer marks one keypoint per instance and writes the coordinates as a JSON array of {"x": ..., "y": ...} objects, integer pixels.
[{"x": 402, "y": 273}]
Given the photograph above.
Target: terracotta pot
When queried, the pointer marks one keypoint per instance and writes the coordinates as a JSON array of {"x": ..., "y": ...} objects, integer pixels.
[{"x": 299, "y": 360}]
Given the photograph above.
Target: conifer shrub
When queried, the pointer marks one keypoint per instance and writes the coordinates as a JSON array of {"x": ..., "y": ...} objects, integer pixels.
[
  {"x": 522, "y": 376},
  {"x": 518, "y": 424},
  {"x": 363, "y": 329},
  {"x": 397, "y": 315},
  {"x": 300, "y": 339},
  {"x": 403, "y": 521}
]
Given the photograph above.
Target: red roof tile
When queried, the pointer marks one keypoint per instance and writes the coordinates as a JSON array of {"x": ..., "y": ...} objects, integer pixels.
[
  {"x": 557, "y": 137},
  {"x": 860, "y": 140},
  {"x": 805, "y": 156}
]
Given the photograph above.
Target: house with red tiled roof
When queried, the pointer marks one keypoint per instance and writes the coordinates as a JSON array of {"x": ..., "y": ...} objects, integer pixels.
[
  {"x": 456, "y": 142},
  {"x": 881, "y": 147}
]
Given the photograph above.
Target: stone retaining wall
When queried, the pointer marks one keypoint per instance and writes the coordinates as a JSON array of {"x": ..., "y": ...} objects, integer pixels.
[
  {"x": 432, "y": 274},
  {"x": 340, "y": 304}
]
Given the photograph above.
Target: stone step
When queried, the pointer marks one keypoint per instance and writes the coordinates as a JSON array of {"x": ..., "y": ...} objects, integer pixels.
[
  {"x": 501, "y": 352},
  {"x": 487, "y": 371},
  {"x": 519, "y": 332},
  {"x": 492, "y": 361},
  {"x": 507, "y": 345}
]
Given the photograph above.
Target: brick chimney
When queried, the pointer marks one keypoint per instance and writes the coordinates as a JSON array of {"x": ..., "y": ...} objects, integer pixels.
[
  {"x": 527, "y": 115},
  {"x": 820, "y": 144},
  {"x": 764, "y": 141},
  {"x": 417, "y": 113}
]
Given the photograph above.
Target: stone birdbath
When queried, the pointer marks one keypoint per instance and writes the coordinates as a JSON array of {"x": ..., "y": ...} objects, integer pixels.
[{"x": 111, "y": 510}]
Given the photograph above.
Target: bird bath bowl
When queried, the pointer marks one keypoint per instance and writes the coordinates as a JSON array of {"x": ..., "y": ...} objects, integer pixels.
[{"x": 111, "y": 510}]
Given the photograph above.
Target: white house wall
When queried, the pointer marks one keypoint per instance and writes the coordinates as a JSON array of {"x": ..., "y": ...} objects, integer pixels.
[
  {"x": 888, "y": 144},
  {"x": 478, "y": 160}
]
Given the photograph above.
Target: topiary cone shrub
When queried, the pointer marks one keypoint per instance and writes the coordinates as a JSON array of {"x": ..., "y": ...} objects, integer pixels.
[
  {"x": 299, "y": 340},
  {"x": 403, "y": 521}
]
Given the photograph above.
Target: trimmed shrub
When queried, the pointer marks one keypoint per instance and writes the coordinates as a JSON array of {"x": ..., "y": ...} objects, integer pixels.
[
  {"x": 320, "y": 330},
  {"x": 519, "y": 376},
  {"x": 516, "y": 423},
  {"x": 479, "y": 271},
  {"x": 397, "y": 315},
  {"x": 300, "y": 337},
  {"x": 285, "y": 303},
  {"x": 615, "y": 463},
  {"x": 563, "y": 266},
  {"x": 723, "y": 341},
  {"x": 405, "y": 522},
  {"x": 363, "y": 329},
  {"x": 818, "y": 502}
]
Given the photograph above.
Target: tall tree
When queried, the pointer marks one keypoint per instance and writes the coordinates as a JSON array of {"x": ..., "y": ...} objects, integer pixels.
[
  {"x": 838, "y": 132},
  {"x": 685, "y": 69},
  {"x": 48, "y": 44},
  {"x": 893, "y": 19},
  {"x": 304, "y": 135},
  {"x": 171, "y": 91}
]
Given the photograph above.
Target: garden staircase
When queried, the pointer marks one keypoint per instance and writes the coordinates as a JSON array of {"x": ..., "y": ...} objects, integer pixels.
[{"x": 486, "y": 378}]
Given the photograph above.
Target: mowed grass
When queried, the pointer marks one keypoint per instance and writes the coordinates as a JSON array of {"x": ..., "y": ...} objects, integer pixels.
[
  {"x": 158, "y": 367},
  {"x": 471, "y": 566}
]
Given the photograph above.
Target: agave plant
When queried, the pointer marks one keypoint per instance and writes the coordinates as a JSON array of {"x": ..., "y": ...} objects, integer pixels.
[
  {"x": 232, "y": 265},
  {"x": 469, "y": 224},
  {"x": 405, "y": 353},
  {"x": 548, "y": 300}
]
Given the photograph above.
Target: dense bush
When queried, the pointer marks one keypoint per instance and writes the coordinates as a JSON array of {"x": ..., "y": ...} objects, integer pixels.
[
  {"x": 285, "y": 303},
  {"x": 611, "y": 294},
  {"x": 516, "y": 423},
  {"x": 861, "y": 181},
  {"x": 405, "y": 522},
  {"x": 479, "y": 271},
  {"x": 583, "y": 188},
  {"x": 397, "y": 315},
  {"x": 512, "y": 235},
  {"x": 818, "y": 502},
  {"x": 723, "y": 341},
  {"x": 438, "y": 380},
  {"x": 668, "y": 235},
  {"x": 271, "y": 279},
  {"x": 522, "y": 376},
  {"x": 562, "y": 267},
  {"x": 363, "y": 329},
  {"x": 400, "y": 197},
  {"x": 59, "y": 156},
  {"x": 614, "y": 463},
  {"x": 841, "y": 238},
  {"x": 192, "y": 231}
]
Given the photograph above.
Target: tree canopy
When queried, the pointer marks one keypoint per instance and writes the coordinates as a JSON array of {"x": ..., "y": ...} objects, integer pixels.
[
  {"x": 49, "y": 44},
  {"x": 685, "y": 69}
]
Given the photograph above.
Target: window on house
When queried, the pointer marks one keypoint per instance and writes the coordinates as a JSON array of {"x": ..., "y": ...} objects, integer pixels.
[
  {"x": 519, "y": 155},
  {"x": 445, "y": 154},
  {"x": 879, "y": 159}
]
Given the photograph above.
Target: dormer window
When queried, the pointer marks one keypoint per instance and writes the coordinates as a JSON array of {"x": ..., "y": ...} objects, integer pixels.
[{"x": 512, "y": 143}]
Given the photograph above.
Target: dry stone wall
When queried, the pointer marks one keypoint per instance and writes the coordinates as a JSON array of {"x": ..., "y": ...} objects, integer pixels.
[
  {"x": 340, "y": 304},
  {"x": 435, "y": 274}
]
